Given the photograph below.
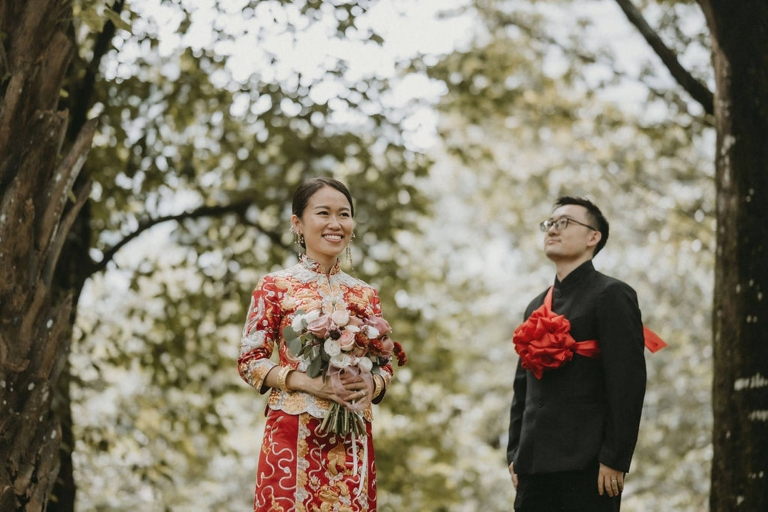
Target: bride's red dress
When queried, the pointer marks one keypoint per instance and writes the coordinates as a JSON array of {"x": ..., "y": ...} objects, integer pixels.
[{"x": 300, "y": 469}]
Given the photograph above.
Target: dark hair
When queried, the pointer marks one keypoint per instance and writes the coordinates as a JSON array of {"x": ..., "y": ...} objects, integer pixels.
[
  {"x": 308, "y": 188},
  {"x": 594, "y": 215}
]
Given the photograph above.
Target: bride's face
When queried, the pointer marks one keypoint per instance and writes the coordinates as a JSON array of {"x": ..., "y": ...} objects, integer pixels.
[{"x": 326, "y": 224}]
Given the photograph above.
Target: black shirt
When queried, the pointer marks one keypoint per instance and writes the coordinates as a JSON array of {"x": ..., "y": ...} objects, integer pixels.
[{"x": 588, "y": 409}]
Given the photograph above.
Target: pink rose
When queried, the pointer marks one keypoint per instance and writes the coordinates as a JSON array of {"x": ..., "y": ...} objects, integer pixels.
[
  {"x": 380, "y": 325},
  {"x": 340, "y": 317},
  {"x": 320, "y": 326},
  {"x": 346, "y": 340},
  {"x": 356, "y": 321}
]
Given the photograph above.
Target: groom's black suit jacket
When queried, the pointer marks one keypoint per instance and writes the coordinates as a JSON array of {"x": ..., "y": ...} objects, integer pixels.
[{"x": 588, "y": 409}]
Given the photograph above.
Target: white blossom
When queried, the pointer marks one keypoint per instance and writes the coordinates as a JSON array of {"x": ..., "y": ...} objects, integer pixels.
[
  {"x": 297, "y": 323},
  {"x": 341, "y": 360},
  {"x": 331, "y": 347},
  {"x": 365, "y": 363}
]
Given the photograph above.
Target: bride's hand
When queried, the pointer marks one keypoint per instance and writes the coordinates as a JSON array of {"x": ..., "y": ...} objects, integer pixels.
[
  {"x": 357, "y": 389},
  {"x": 300, "y": 381}
]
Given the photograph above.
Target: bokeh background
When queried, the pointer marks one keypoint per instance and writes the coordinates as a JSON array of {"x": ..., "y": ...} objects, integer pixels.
[{"x": 455, "y": 123}]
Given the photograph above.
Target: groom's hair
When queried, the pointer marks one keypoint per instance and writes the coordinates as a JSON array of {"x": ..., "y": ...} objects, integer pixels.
[{"x": 594, "y": 215}]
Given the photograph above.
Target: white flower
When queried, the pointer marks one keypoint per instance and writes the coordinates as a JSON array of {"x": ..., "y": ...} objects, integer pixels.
[
  {"x": 296, "y": 324},
  {"x": 332, "y": 347},
  {"x": 312, "y": 315},
  {"x": 365, "y": 363},
  {"x": 352, "y": 328},
  {"x": 372, "y": 333},
  {"x": 341, "y": 360}
]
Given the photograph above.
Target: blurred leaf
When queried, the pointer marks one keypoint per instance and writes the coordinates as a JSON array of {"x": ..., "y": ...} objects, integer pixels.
[
  {"x": 117, "y": 20},
  {"x": 90, "y": 17}
]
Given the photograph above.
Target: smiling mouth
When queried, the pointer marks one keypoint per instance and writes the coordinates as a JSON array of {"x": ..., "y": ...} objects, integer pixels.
[{"x": 333, "y": 238}]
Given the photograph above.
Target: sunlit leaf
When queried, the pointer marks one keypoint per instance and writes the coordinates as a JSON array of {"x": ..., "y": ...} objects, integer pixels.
[
  {"x": 118, "y": 21},
  {"x": 90, "y": 17}
]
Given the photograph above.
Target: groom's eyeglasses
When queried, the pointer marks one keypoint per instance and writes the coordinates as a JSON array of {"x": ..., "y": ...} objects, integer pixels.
[{"x": 561, "y": 223}]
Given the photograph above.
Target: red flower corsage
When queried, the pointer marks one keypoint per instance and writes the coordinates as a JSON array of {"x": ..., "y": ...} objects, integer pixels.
[{"x": 544, "y": 341}]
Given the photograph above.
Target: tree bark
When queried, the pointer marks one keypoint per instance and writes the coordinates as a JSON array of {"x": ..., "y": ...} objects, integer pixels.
[
  {"x": 740, "y": 316},
  {"x": 40, "y": 198}
]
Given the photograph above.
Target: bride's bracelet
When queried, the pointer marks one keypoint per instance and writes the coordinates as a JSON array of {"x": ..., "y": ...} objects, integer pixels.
[
  {"x": 377, "y": 385},
  {"x": 282, "y": 376}
]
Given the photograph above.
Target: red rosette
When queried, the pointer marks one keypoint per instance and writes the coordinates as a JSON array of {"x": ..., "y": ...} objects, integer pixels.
[{"x": 543, "y": 341}]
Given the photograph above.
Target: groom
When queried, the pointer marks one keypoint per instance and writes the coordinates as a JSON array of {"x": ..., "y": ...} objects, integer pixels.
[{"x": 580, "y": 381}]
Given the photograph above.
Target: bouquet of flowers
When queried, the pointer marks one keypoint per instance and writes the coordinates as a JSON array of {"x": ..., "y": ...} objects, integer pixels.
[{"x": 336, "y": 346}]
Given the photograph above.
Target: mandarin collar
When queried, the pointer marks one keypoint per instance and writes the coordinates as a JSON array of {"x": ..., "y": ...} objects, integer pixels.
[
  {"x": 576, "y": 277},
  {"x": 317, "y": 267}
]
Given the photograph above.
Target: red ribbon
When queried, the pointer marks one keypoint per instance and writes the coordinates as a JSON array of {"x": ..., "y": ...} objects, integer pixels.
[
  {"x": 652, "y": 340},
  {"x": 544, "y": 340}
]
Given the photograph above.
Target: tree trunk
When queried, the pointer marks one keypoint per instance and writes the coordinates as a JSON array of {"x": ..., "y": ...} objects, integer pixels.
[
  {"x": 740, "y": 315},
  {"x": 40, "y": 198}
]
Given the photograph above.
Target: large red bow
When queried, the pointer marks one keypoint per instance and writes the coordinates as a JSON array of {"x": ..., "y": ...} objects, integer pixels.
[{"x": 544, "y": 340}]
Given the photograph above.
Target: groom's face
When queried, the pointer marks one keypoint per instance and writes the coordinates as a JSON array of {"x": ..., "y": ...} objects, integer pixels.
[{"x": 575, "y": 241}]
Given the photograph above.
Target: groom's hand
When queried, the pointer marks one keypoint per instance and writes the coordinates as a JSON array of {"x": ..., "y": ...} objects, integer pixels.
[
  {"x": 513, "y": 475},
  {"x": 610, "y": 481}
]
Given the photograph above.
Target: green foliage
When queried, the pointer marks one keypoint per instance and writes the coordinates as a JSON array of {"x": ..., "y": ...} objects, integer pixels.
[
  {"x": 182, "y": 130},
  {"x": 528, "y": 112},
  {"x": 524, "y": 120}
]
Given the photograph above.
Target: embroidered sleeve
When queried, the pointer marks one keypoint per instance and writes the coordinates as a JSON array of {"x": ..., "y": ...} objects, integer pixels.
[
  {"x": 261, "y": 330},
  {"x": 386, "y": 371}
]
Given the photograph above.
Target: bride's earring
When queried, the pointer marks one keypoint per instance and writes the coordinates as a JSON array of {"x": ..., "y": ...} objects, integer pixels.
[
  {"x": 298, "y": 238},
  {"x": 349, "y": 253}
]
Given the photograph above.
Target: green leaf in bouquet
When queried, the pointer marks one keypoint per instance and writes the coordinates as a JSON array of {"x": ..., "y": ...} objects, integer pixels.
[
  {"x": 315, "y": 367},
  {"x": 306, "y": 351},
  {"x": 294, "y": 346},
  {"x": 289, "y": 333}
]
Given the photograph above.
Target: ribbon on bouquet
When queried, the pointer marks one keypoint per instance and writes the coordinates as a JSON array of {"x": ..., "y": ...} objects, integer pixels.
[{"x": 338, "y": 376}]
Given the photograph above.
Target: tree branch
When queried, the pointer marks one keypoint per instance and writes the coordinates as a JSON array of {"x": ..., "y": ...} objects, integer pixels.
[
  {"x": 238, "y": 208},
  {"x": 695, "y": 88},
  {"x": 539, "y": 35},
  {"x": 584, "y": 57},
  {"x": 83, "y": 102}
]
